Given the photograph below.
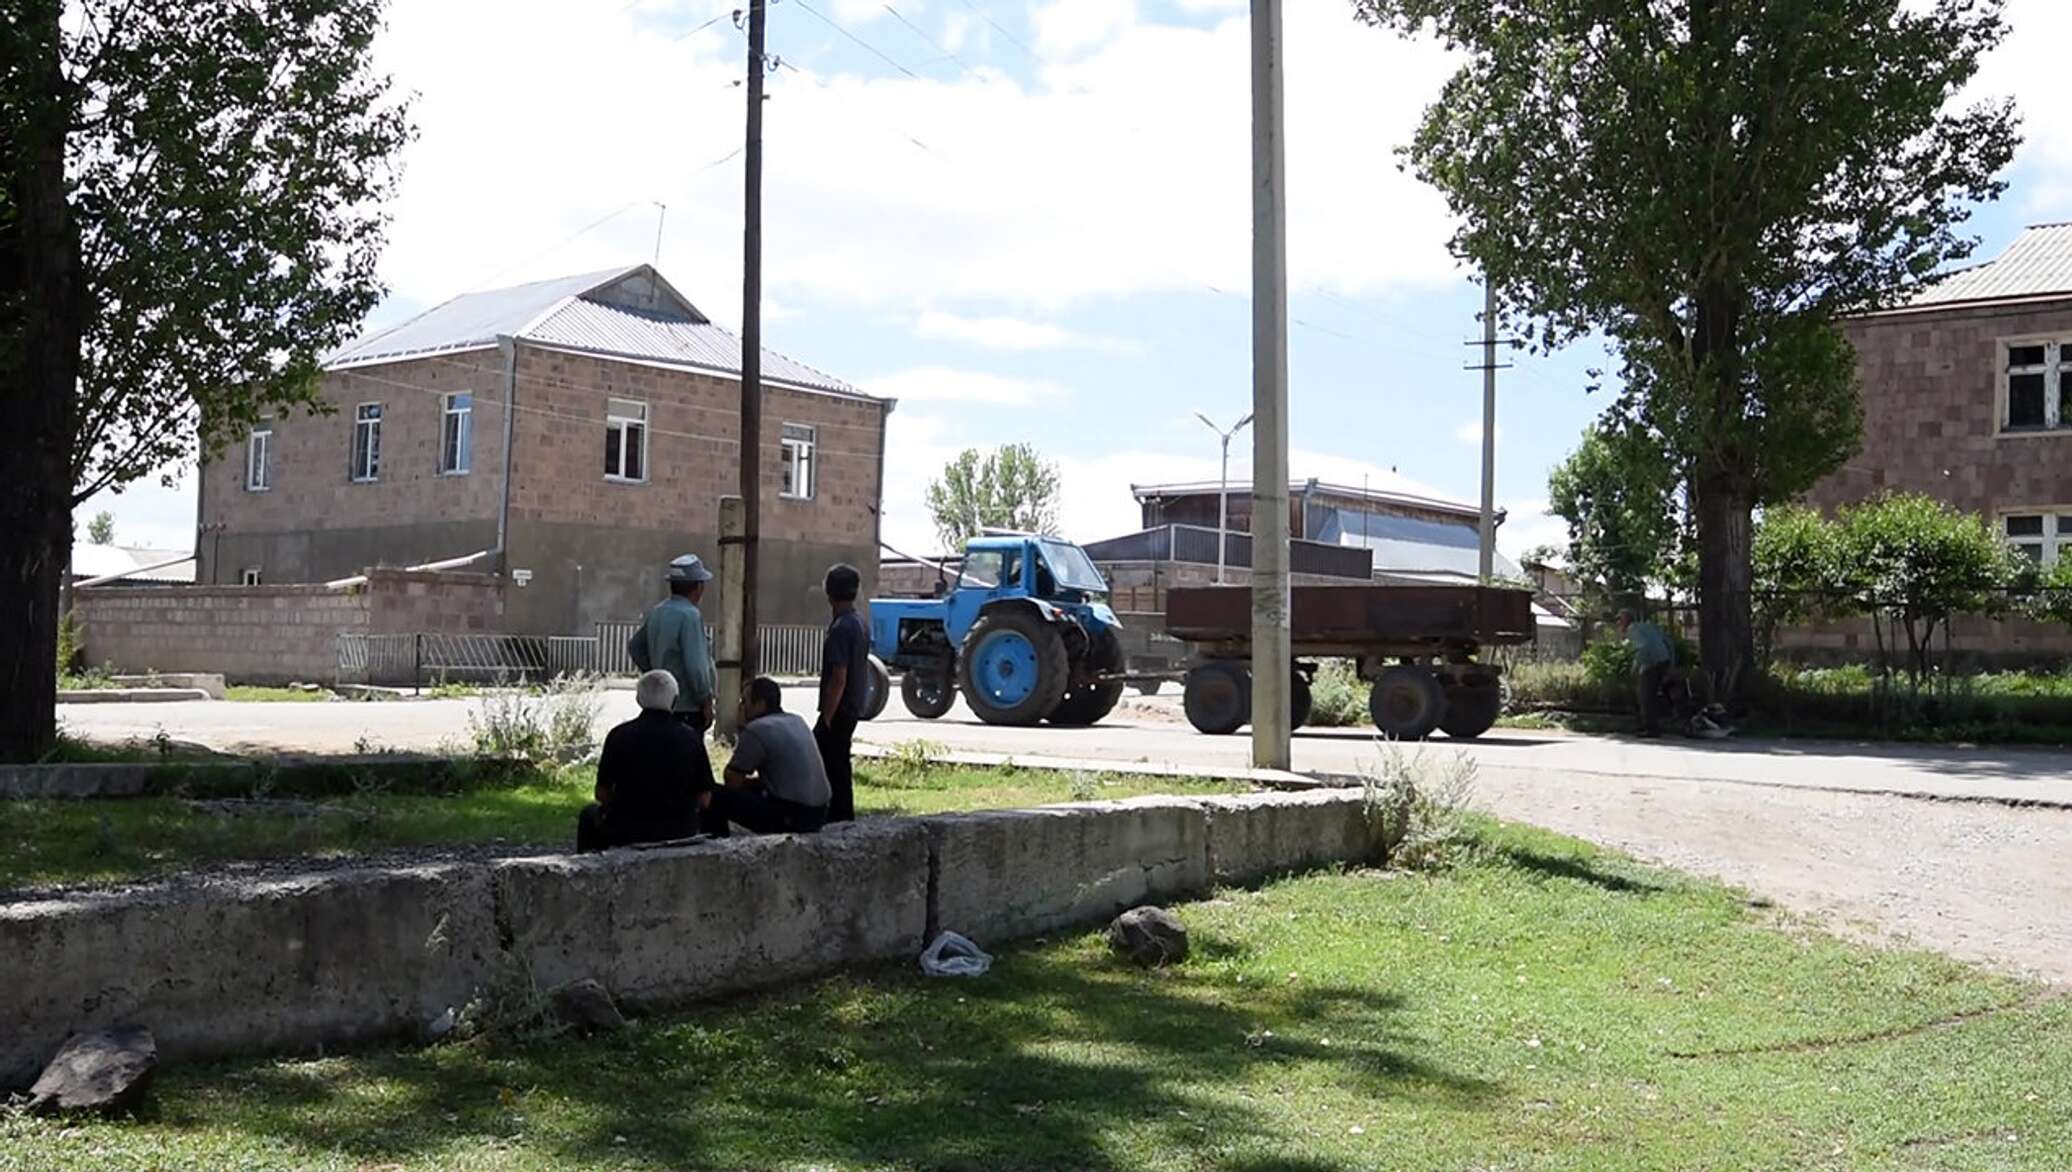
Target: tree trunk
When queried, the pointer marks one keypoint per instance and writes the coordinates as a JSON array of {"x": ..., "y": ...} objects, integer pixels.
[
  {"x": 1726, "y": 575},
  {"x": 41, "y": 297}
]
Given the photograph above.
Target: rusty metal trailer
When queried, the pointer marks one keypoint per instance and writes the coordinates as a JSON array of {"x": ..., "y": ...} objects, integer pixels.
[{"x": 1416, "y": 646}]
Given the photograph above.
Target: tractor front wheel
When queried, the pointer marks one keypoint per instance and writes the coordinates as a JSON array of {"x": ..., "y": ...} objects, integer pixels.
[
  {"x": 928, "y": 694},
  {"x": 1014, "y": 669},
  {"x": 878, "y": 690}
]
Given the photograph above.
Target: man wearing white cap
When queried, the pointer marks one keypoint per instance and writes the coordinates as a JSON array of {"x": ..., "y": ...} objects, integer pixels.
[{"x": 672, "y": 639}]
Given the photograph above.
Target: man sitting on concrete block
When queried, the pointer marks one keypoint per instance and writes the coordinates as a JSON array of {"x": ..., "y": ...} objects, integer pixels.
[
  {"x": 652, "y": 778},
  {"x": 776, "y": 782}
]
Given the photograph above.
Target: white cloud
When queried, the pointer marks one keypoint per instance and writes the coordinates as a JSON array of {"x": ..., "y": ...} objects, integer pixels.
[
  {"x": 942, "y": 384},
  {"x": 2027, "y": 65},
  {"x": 860, "y": 11},
  {"x": 1528, "y": 525},
  {"x": 1013, "y": 333},
  {"x": 1066, "y": 26}
]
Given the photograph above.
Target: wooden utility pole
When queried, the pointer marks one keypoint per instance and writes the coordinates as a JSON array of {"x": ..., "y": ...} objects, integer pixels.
[
  {"x": 1273, "y": 655},
  {"x": 752, "y": 345},
  {"x": 1488, "y": 544}
]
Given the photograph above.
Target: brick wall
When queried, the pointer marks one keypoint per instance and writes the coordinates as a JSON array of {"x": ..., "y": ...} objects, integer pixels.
[{"x": 274, "y": 634}]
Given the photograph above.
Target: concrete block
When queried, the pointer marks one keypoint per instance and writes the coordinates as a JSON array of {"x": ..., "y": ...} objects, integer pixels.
[
  {"x": 670, "y": 925},
  {"x": 1002, "y": 874},
  {"x": 223, "y": 968},
  {"x": 1254, "y": 836}
]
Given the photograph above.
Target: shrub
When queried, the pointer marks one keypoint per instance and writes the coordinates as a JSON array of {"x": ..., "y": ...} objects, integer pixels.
[
  {"x": 1569, "y": 687},
  {"x": 1418, "y": 814},
  {"x": 71, "y": 643},
  {"x": 551, "y": 725},
  {"x": 1337, "y": 696}
]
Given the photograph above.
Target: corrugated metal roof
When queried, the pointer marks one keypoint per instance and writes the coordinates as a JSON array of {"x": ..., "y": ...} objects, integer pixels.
[
  {"x": 2037, "y": 264},
  {"x": 1412, "y": 547},
  {"x": 1383, "y": 487},
  {"x": 627, "y": 312},
  {"x": 103, "y": 561}
]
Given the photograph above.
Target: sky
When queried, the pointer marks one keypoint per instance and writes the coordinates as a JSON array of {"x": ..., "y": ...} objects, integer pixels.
[{"x": 1027, "y": 220}]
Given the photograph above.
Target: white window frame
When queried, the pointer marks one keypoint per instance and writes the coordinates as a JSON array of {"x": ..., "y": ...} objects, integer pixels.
[
  {"x": 371, "y": 428},
  {"x": 250, "y": 576},
  {"x": 799, "y": 448},
  {"x": 622, "y": 417},
  {"x": 2056, "y": 370},
  {"x": 462, "y": 418},
  {"x": 259, "y": 460},
  {"x": 2053, "y": 543}
]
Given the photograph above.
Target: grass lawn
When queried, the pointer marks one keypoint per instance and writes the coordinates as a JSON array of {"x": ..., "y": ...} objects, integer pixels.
[
  {"x": 277, "y": 695},
  {"x": 49, "y": 843},
  {"x": 1545, "y": 1007}
]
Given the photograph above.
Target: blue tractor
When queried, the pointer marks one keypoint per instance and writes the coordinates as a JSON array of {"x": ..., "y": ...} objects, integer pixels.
[{"x": 1024, "y": 632}]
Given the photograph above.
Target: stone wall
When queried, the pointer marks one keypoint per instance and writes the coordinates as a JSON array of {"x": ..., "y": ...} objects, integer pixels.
[
  {"x": 224, "y": 968},
  {"x": 274, "y": 634}
]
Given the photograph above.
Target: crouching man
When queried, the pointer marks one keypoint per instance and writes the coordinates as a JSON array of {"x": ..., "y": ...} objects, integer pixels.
[
  {"x": 652, "y": 777},
  {"x": 776, "y": 782}
]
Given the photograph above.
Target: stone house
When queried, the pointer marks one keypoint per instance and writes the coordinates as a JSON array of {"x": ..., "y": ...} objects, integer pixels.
[
  {"x": 573, "y": 435},
  {"x": 1967, "y": 397}
]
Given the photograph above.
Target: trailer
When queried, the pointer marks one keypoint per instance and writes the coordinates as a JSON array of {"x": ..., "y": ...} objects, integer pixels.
[{"x": 1415, "y": 645}]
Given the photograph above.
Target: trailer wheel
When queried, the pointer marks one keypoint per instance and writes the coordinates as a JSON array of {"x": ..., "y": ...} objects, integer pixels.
[
  {"x": 879, "y": 690},
  {"x": 1013, "y": 668},
  {"x": 1407, "y": 703},
  {"x": 1472, "y": 706},
  {"x": 1086, "y": 706},
  {"x": 928, "y": 694},
  {"x": 1218, "y": 698}
]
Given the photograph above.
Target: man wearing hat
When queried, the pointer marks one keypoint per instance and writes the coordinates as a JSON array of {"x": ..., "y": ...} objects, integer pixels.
[{"x": 672, "y": 639}]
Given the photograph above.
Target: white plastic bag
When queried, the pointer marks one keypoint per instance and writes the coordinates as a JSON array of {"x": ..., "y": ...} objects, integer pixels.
[{"x": 952, "y": 955}]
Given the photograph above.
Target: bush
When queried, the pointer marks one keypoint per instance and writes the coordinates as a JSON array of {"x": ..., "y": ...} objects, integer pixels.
[
  {"x": 552, "y": 724},
  {"x": 1337, "y": 696},
  {"x": 1608, "y": 662},
  {"x": 1568, "y": 687},
  {"x": 1418, "y": 814},
  {"x": 71, "y": 643}
]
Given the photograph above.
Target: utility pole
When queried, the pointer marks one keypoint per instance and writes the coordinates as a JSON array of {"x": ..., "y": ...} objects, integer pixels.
[
  {"x": 1273, "y": 656},
  {"x": 1223, "y": 490},
  {"x": 752, "y": 345},
  {"x": 1489, "y": 367}
]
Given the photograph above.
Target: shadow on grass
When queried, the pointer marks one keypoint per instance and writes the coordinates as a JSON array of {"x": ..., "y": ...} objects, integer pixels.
[
  {"x": 1055, "y": 1060},
  {"x": 1582, "y": 870}
]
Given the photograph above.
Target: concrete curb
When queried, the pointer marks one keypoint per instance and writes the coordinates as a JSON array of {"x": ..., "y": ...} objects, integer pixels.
[
  {"x": 132, "y": 695},
  {"x": 1265, "y": 778},
  {"x": 280, "y": 776}
]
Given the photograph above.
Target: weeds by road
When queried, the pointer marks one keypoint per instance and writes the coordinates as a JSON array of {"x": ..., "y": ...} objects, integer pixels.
[
  {"x": 1543, "y": 1005},
  {"x": 72, "y": 842}
]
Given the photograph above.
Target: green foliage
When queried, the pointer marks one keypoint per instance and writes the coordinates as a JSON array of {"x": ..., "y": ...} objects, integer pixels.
[
  {"x": 1911, "y": 562},
  {"x": 1712, "y": 186},
  {"x": 1799, "y": 571},
  {"x": 101, "y": 530},
  {"x": 1608, "y": 661},
  {"x": 1624, "y": 517},
  {"x": 2051, "y": 602},
  {"x": 1417, "y": 809},
  {"x": 553, "y": 723},
  {"x": 71, "y": 644},
  {"x": 1011, "y": 488},
  {"x": 1337, "y": 696}
]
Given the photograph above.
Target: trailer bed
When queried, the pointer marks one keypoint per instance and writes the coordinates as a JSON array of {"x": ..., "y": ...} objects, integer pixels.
[{"x": 1357, "y": 620}]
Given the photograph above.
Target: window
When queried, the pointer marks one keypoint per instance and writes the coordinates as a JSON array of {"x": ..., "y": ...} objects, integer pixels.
[
  {"x": 249, "y": 576},
  {"x": 367, "y": 442},
  {"x": 625, "y": 440},
  {"x": 2040, "y": 537},
  {"x": 259, "y": 460},
  {"x": 798, "y": 461},
  {"x": 457, "y": 435},
  {"x": 2038, "y": 385}
]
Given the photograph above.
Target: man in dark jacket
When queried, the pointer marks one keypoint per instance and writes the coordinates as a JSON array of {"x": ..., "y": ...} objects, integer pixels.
[
  {"x": 845, "y": 676},
  {"x": 652, "y": 778}
]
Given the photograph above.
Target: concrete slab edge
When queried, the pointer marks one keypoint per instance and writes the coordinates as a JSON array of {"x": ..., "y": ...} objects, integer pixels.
[
  {"x": 1265, "y": 778},
  {"x": 291, "y": 964},
  {"x": 278, "y": 776}
]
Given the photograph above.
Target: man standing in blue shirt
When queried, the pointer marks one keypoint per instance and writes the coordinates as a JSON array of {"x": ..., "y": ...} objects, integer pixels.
[
  {"x": 672, "y": 639},
  {"x": 845, "y": 676}
]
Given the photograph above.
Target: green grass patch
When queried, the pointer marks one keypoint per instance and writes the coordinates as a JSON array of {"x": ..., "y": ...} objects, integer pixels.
[
  {"x": 1546, "y": 1006},
  {"x": 254, "y": 692},
  {"x": 51, "y": 843}
]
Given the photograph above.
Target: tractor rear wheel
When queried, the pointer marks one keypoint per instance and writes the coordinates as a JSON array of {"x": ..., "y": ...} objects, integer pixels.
[
  {"x": 1013, "y": 668},
  {"x": 1300, "y": 703},
  {"x": 1472, "y": 706},
  {"x": 1218, "y": 698},
  {"x": 1407, "y": 703},
  {"x": 928, "y": 694}
]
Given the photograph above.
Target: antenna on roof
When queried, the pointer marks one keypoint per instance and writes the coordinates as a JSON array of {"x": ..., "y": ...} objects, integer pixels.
[{"x": 661, "y": 217}]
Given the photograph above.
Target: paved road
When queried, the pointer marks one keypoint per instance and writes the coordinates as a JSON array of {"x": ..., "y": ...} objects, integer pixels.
[{"x": 1818, "y": 826}]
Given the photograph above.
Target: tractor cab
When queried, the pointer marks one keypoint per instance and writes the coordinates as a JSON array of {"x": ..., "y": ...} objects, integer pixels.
[{"x": 1020, "y": 625}]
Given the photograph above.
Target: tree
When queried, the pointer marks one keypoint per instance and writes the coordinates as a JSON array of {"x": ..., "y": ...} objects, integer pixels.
[
  {"x": 1624, "y": 519},
  {"x": 101, "y": 530},
  {"x": 192, "y": 215},
  {"x": 1711, "y": 184},
  {"x": 1013, "y": 488},
  {"x": 1799, "y": 572},
  {"x": 1911, "y": 563}
]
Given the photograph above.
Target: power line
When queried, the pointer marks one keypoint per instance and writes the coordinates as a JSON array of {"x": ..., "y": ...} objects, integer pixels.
[
  {"x": 925, "y": 37},
  {"x": 873, "y": 50},
  {"x": 1011, "y": 38}
]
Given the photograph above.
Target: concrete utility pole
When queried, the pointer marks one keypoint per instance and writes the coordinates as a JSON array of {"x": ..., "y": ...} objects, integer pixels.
[
  {"x": 1223, "y": 492},
  {"x": 1489, "y": 366},
  {"x": 728, "y": 692},
  {"x": 752, "y": 345},
  {"x": 1272, "y": 652}
]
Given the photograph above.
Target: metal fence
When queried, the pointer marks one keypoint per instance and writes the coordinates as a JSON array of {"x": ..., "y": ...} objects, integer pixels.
[{"x": 430, "y": 659}]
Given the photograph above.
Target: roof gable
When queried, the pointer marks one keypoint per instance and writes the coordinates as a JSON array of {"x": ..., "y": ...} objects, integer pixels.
[{"x": 2037, "y": 264}]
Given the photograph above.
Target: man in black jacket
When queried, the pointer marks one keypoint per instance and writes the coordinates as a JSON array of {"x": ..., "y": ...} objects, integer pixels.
[{"x": 652, "y": 779}]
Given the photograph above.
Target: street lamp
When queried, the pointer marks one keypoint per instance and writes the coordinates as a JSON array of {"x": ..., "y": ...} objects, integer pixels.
[{"x": 1223, "y": 493}]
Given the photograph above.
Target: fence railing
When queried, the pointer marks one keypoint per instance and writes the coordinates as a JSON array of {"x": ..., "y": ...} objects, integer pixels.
[{"x": 429, "y": 659}]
